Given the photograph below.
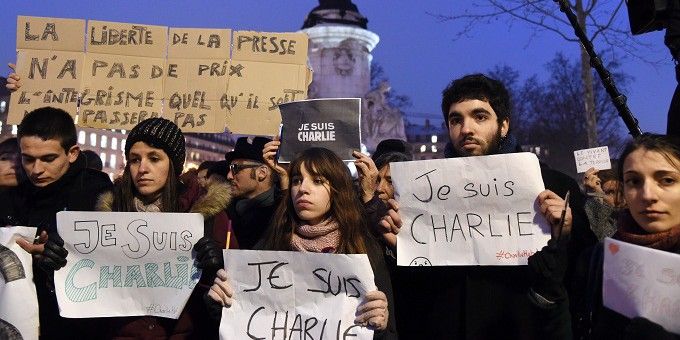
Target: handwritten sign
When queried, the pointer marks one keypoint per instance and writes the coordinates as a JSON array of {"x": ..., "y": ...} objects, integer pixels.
[
  {"x": 267, "y": 69},
  {"x": 127, "y": 264},
  {"x": 50, "y": 63},
  {"x": 18, "y": 299},
  {"x": 329, "y": 123},
  {"x": 294, "y": 295},
  {"x": 640, "y": 281},
  {"x": 131, "y": 72},
  {"x": 124, "y": 73},
  {"x": 469, "y": 211},
  {"x": 597, "y": 158},
  {"x": 197, "y": 75}
]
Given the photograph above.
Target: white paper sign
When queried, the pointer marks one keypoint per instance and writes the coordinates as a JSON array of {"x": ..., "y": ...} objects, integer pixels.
[
  {"x": 640, "y": 281},
  {"x": 597, "y": 158},
  {"x": 127, "y": 263},
  {"x": 469, "y": 211},
  {"x": 295, "y": 295},
  {"x": 18, "y": 299}
]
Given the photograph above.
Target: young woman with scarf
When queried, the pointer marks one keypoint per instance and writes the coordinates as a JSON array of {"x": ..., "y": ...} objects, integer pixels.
[
  {"x": 155, "y": 153},
  {"x": 321, "y": 212},
  {"x": 649, "y": 169}
]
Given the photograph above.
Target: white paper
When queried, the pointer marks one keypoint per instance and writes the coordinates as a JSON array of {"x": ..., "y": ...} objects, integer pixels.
[
  {"x": 597, "y": 158},
  {"x": 469, "y": 211},
  {"x": 296, "y": 307},
  {"x": 127, "y": 263},
  {"x": 18, "y": 299},
  {"x": 640, "y": 281}
]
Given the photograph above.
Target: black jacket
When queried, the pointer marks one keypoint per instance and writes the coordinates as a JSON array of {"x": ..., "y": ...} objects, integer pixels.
[
  {"x": 28, "y": 205},
  {"x": 250, "y": 218}
]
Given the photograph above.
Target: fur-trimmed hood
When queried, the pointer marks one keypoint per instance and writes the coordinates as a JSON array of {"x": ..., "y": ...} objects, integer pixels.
[{"x": 215, "y": 200}]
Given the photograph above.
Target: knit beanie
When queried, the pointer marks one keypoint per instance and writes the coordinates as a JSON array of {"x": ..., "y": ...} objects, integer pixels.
[{"x": 159, "y": 133}]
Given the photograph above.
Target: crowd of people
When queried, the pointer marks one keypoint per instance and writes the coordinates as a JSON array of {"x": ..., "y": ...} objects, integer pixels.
[{"x": 313, "y": 204}]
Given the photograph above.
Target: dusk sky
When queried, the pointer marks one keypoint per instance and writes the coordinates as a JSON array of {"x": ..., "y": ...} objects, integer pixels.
[{"x": 418, "y": 52}]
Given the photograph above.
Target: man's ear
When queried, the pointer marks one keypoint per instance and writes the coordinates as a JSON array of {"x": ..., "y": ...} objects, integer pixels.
[
  {"x": 505, "y": 127},
  {"x": 73, "y": 153},
  {"x": 262, "y": 173}
]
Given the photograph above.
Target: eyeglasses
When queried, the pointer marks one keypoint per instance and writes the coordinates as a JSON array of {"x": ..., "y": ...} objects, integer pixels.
[{"x": 236, "y": 168}]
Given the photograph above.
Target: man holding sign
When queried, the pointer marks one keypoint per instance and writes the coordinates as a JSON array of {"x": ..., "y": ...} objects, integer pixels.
[{"x": 523, "y": 302}]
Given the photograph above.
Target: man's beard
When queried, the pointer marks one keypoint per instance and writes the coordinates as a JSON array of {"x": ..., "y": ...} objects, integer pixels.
[{"x": 492, "y": 147}]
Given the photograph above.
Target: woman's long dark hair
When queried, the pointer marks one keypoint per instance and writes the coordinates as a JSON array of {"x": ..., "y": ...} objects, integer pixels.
[
  {"x": 125, "y": 191},
  {"x": 346, "y": 208}
]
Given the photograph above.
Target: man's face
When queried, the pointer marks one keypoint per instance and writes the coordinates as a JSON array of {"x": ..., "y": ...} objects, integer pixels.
[
  {"x": 474, "y": 129},
  {"x": 45, "y": 161},
  {"x": 203, "y": 178},
  {"x": 243, "y": 178},
  {"x": 385, "y": 188}
]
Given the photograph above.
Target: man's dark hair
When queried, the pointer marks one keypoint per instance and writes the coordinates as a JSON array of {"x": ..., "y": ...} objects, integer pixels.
[
  {"x": 92, "y": 160},
  {"x": 207, "y": 165},
  {"x": 480, "y": 87},
  {"x": 391, "y": 157},
  {"x": 49, "y": 123}
]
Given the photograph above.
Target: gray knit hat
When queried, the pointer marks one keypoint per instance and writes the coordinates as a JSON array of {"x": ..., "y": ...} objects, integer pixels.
[{"x": 159, "y": 133}]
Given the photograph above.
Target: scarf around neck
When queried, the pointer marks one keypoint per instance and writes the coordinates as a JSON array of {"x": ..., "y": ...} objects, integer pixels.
[
  {"x": 629, "y": 231},
  {"x": 323, "y": 237},
  {"x": 154, "y": 206}
]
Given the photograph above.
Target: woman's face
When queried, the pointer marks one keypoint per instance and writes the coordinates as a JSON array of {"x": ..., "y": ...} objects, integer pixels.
[
  {"x": 8, "y": 169},
  {"x": 311, "y": 196},
  {"x": 651, "y": 186},
  {"x": 149, "y": 169}
]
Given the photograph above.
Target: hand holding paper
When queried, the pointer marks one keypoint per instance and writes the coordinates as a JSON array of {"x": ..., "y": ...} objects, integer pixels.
[
  {"x": 368, "y": 175},
  {"x": 13, "y": 78},
  {"x": 221, "y": 291},
  {"x": 269, "y": 154},
  {"x": 552, "y": 206},
  {"x": 391, "y": 224},
  {"x": 373, "y": 311}
]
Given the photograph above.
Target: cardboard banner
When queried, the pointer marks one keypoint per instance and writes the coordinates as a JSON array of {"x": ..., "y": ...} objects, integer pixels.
[
  {"x": 641, "y": 281},
  {"x": 469, "y": 211},
  {"x": 295, "y": 295},
  {"x": 197, "y": 77},
  {"x": 333, "y": 124},
  {"x": 50, "y": 64},
  {"x": 597, "y": 158},
  {"x": 267, "y": 69},
  {"x": 132, "y": 72},
  {"x": 18, "y": 299},
  {"x": 121, "y": 38},
  {"x": 127, "y": 263},
  {"x": 121, "y": 91}
]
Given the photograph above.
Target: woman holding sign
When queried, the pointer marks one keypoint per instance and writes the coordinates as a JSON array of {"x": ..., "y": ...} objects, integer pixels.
[
  {"x": 155, "y": 155},
  {"x": 321, "y": 212},
  {"x": 649, "y": 169}
]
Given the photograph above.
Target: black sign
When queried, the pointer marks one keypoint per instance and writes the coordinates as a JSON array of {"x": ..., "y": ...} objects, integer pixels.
[{"x": 328, "y": 123}]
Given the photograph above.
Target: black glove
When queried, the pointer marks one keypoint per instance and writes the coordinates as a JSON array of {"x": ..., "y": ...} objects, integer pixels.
[
  {"x": 54, "y": 255},
  {"x": 641, "y": 328},
  {"x": 548, "y": 267},
  {"x": 208, "y": 255}
]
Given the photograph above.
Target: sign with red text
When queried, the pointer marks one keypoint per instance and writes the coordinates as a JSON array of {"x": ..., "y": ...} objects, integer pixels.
[
  {"x": 127, "y": 263},
  {"x": 333, "y": 124},
  {"x": 295, "y": 295},
  {"x": 641, "y": 281},
  {"x": 18, "y": 298},
  {"x": 469, "y": 211}
]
